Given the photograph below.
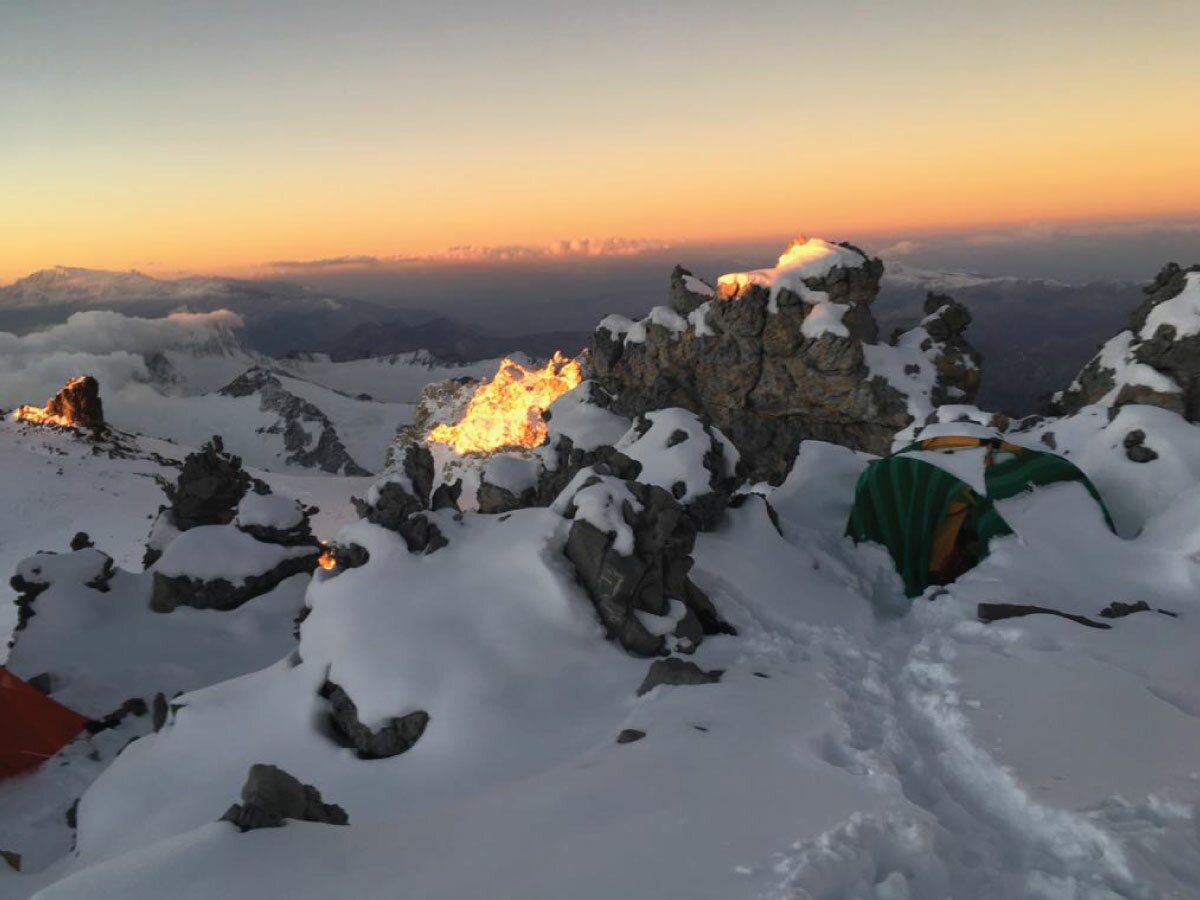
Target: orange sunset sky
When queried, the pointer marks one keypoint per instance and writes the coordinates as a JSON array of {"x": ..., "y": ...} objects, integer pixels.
[{"x": 218, "y": 136}]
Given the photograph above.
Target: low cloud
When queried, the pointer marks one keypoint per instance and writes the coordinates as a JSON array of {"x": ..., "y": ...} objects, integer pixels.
[{"x": 105, "y": 344}]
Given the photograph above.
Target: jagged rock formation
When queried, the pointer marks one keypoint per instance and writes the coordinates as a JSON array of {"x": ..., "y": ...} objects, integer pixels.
[
  {"x": 1156, "y": 361},
  {"x": 631, "y": 546},
  {"x": 399, "y": 502},
  {"x": 392, "y": 738},
  {"x": 271, "y": 795},
  {"x": 297, "y": 419},
  {"x": 211, "y": 483},
  {"x": 782, "y": 355},
  {"x": 76, "y": 405}
]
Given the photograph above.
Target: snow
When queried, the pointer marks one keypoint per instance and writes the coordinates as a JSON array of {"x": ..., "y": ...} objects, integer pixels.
[
  {"x": 858, "y": 745},
  {"x": 813, "y": 259},
  {"x": 587, "y": 425},
  {"x": 1181, "y": 312},
  {"x": 696, "y": 286},
  {"x": 683, "y": 463},
  {"x": 208, "y": 552},
  {"x": 698, "y": 319},
  {"x": 825, "y": 317},
  {"x": 269, "y": 511},
  {"x": 514, "y": 474},
  {"x": 602, "y": 506}
]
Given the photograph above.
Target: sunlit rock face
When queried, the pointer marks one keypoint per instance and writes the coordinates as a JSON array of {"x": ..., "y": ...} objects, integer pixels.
[
  {"x": 508, "y": 410},
  {"x": 776, "y": 356},
  {"x": 1156, "y": 361},
  {"x": 77, "y": 405}
]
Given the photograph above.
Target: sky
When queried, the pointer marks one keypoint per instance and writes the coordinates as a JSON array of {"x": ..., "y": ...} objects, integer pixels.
[{"x": 228, "y": 137}]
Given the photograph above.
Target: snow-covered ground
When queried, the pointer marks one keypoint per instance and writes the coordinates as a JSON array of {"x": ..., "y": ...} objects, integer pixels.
[
  {"x": 854, "y": 747},
  {"x": 857, "y": 745}
]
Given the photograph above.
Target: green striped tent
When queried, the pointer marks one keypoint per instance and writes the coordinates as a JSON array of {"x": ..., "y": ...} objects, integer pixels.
[{"x": 937, "y": 525}]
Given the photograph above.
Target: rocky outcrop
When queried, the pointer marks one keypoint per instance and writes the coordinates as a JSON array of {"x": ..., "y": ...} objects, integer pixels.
[
  {"x": 958, "y": 364},
  {"x": 392, "y": 738},
  {"x": 1156, "y": 361},
  {"x": 400, "y": 501},
  {"x": 297, "y": 419},
  {"x": 270, "y": 795},
  {"x": 776, "y": 357},
  {"x": 78, "y": 403},
  {"x": 169, "y": 592},
  {"x": 631, "y": 546},
  {"x": 211, "y": 484}
]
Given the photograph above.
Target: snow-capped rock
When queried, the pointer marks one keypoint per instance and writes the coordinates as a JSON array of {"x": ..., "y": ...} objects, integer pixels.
[
  {"x": 1156, "y": 361},
  {"x": 785, "y": 354}
]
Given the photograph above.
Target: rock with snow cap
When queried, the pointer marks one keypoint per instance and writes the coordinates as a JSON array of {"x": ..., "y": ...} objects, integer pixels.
[
  {"x": 1156, "y": 361},
  {"x": 777, "y": 356},
  {"x": 631, "y": 546}
]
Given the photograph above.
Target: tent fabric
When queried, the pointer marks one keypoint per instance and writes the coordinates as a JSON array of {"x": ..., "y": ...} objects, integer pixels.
[
  {"x": 935, "y": 525},
  {"x": 33, "y": 727}
]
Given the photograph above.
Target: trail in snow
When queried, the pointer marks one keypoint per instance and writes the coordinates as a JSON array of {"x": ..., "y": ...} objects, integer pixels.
[{"x": 970, "y": 828}]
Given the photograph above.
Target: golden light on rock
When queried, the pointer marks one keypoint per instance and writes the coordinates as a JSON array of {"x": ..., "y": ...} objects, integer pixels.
[
  {"x": 507, "y": 411},
  {"x": 799, "y": 251},
  {"x": 66, "y": 408},
  {"x": 327, "y": 560}
]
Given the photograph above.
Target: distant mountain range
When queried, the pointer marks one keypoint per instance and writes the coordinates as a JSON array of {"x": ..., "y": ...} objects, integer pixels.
[{"x": 281, "y": 318}]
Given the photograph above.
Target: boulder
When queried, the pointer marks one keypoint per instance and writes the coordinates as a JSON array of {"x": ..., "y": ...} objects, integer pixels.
[{"x": 270, "y": 795}]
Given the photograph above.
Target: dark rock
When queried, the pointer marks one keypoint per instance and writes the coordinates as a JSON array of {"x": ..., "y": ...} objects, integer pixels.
[
  {"x": 1118, "y": 610},
  {"x": 656, "y": 572},
  {"x": 395, "y": 504},
  {"x": 629, "y": 735},
  {"x": 134, "y": 706},
  {"x": 445, "y": 496},
  {"x": 169, "y": 592},
  {"x": 1135, "y": 448},
  {"x": 12, "y": 858},
  {"x": 1141, "y": 454},
  {"x": 270, "y": 795},
  {"x": 159, "y": 710},
  {"x": 211, "y": 484},
  {"x": 421, "y": 535},
  {"x": 1049, "y": 440},
  {"x": 393, "y": 738},
  {"x": 994, "y": 612},
  {"x": 675, "y": 671},
  {"x": 348, "y": 556},
  {"x": 81, "y": 541},
  {"x": 682, "y": 299},
  {"x": 43, "y": 682}
]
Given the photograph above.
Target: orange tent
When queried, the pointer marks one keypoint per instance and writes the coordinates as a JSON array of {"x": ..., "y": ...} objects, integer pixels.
[{"x": 32, "y": 726}]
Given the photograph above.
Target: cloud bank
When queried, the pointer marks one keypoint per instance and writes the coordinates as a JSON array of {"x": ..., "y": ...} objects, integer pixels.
[
  {"x": 105, "y": 344},
  {"x": 578, "y": 248}
]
